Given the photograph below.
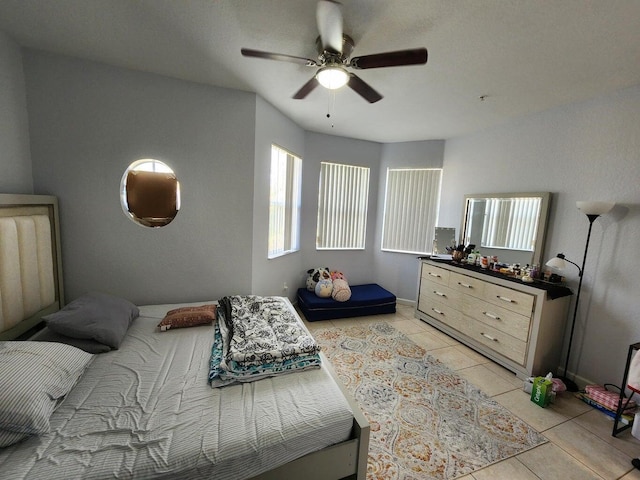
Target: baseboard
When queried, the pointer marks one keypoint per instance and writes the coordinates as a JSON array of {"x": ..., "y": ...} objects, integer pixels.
[
  {"x": 404, "y": 301},
  {"x": 581, "y": 382}
]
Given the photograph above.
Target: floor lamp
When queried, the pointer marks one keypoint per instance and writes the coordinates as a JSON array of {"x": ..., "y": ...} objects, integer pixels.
[{"x": 592, "y": 210}]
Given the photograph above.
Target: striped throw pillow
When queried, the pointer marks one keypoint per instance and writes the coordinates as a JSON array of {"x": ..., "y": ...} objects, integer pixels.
[{"x": 36, "y": 376}]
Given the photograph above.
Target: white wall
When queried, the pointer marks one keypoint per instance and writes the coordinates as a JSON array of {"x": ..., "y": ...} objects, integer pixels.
[
  {"x": 269, "y": 276},
  {"x": 88, "y": 122},
  {"x": 399, "y": 271},
  {"x": 357, "y": 265},
  {"x": 585, "y": 151},
  {"x": 15, "y": 159}
]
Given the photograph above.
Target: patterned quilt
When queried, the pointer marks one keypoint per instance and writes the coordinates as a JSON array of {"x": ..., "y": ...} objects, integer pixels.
[{"x": 258, "y": 337}]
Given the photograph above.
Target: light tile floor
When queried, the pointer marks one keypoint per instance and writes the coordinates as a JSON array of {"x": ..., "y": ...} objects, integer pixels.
[{"x": 580, "y": 442}]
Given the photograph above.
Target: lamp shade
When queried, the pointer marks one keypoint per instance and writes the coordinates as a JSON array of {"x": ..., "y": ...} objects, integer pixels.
[
  {"x": 332, "y": 77},
  {"x": 595, "y": 208},
  {"x": 557, "y": 263}
]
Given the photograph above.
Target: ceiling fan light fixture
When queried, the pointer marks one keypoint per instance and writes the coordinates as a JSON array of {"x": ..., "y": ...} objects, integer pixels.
[{"x": 332, "y": 77}]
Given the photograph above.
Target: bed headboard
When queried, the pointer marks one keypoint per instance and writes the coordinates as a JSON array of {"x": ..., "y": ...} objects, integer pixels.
[{"x": 30, "y": 262}]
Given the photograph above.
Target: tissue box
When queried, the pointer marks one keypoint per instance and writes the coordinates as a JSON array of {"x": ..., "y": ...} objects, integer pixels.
[
  {"x": 528, "y": 384},
  {"x": 541, "y": 391}
]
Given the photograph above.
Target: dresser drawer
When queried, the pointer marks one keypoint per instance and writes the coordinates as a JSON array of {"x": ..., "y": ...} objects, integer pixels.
[
  {"x": 513, "y": 300},
  {"x": 467, "y": 285},
  {"x": 498, "y": 341},
  {"x": 497, "y": 317},
  {"x": 447, "y": 315},
  {"x": 439, "y": 293},
  {"x": 435, "y": 274}
]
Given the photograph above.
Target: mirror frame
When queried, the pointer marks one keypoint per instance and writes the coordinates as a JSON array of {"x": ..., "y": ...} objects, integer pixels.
[
  {"x": 156, "y": 201},
  {"x": 538, "y": 251}
]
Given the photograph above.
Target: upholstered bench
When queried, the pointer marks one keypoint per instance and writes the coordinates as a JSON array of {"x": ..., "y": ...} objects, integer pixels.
[{"x": 369, "y": 299}]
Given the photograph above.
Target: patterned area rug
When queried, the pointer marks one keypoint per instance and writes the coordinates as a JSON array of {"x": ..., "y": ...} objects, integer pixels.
[{"x": 426, "y": 421}]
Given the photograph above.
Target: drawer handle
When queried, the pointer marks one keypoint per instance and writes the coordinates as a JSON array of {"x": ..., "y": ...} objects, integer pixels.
[
  {"x": 465, "y": 285},
  {"x": 437, "y": 311},
  {"x": 505, "y": 299},
  {"x": 435, "y": 275},
  {"x": 489, "y": 337},
  {"x": 440, "y": 294},
  {"x": 491, "y": 315}
]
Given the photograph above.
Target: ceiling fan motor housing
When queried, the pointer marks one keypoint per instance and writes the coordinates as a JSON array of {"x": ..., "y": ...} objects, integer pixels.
[{"x": 326, "y": 56}]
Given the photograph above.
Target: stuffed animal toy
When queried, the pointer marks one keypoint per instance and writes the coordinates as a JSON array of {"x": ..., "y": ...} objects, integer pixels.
[
  {"x": 336, "y": 274},
  {"x": 314, "y": 275},
  {"x": 324, "y": 288},
  {"x": 341, "y": 291}
]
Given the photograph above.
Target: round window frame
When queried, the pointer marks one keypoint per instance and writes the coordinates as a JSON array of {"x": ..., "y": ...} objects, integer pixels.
[{"x": 124, "y": 204}]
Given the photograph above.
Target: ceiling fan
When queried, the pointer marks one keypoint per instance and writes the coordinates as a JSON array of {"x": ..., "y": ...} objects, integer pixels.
[{"x": 334, "y": 49}]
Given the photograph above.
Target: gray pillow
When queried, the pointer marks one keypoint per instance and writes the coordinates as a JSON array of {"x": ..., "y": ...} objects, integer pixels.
[
  {"x": 9, "y": 438},
  {"x": 86, "y": 344},
  {"x": 35, "y": 377},
  {"x": 96, "y": 316}
]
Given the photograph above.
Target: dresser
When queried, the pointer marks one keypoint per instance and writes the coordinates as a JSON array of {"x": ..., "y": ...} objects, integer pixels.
[{"x": 515, "y": 324}]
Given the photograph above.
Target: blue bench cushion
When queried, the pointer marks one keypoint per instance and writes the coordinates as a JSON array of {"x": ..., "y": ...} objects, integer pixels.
[{"x": 369, "y": 299}]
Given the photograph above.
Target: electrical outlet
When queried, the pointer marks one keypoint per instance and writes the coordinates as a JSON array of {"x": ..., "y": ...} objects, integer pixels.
[{"x": 285, "y": 288}]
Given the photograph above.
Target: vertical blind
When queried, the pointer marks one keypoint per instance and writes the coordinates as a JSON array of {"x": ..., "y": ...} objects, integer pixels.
[
  {"x": 412, "y": 202},
  {"x": 342, "y": 206},
  {"x": 512, "y": 223},
  {"x": 284, "y": 202}
]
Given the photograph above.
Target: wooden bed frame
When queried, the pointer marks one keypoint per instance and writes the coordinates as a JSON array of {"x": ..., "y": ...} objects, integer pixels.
[{"x": 31, "y": 286}]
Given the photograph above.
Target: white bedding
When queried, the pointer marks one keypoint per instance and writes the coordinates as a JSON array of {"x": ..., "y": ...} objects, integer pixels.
[{"x": 147, "y": 411}]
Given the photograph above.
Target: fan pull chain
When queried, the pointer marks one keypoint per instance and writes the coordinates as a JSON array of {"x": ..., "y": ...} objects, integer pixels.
[{"x": 331, "y": 104}]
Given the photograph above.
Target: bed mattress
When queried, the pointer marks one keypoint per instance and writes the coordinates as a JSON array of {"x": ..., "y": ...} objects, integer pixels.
[
  {"x": 368, "y": 299},
  {"x": 147, "y": 411}
]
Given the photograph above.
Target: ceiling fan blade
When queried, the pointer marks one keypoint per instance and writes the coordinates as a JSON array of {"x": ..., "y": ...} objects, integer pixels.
[
  {"x": 363, "y": 89},
  {"x": 415, "y": 56},
  {"x": 248, "y": 52},
  {"x": 306, "y": 89},
  {"x": 329, "y": 19}
]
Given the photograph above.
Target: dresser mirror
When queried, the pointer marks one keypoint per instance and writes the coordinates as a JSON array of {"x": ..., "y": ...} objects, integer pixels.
[{"x": 511, "y": 226}]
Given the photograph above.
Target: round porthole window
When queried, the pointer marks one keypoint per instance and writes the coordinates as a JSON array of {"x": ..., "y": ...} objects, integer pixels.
[{"x": 150, "y": 193}]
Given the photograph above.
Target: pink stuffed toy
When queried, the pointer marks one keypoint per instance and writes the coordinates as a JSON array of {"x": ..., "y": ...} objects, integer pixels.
[
  {"x": 337, "y": 275},
  {"x": 341, "y": 291}
]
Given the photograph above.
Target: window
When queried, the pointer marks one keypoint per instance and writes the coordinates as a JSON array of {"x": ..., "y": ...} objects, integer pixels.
[
  {"x": 412, "y": 202},
  {"x": 342, "y": 207},
  {"x": 284, "y": 203},
  {"x": 510, "y": 222}
]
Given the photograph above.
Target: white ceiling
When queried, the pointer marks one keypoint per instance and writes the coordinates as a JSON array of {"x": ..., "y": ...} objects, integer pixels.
[{"x": 523, "y": 55}]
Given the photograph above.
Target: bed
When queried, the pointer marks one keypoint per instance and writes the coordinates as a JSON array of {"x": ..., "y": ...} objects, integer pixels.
[{"x": 146, "y": 409}]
